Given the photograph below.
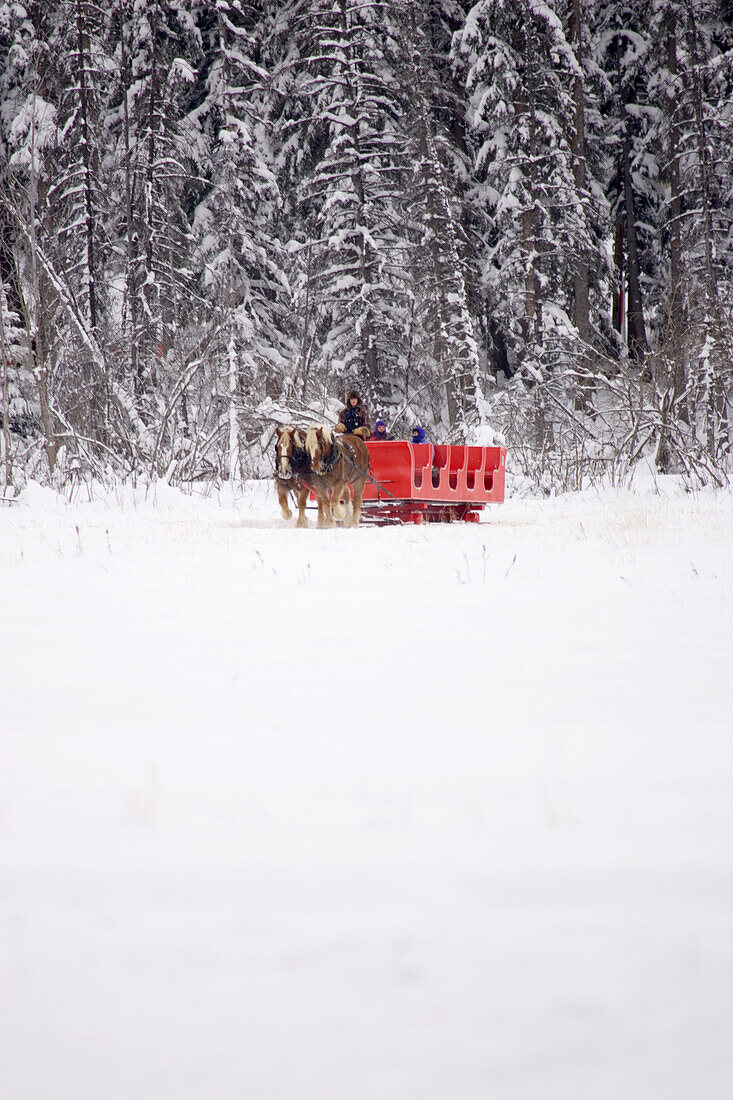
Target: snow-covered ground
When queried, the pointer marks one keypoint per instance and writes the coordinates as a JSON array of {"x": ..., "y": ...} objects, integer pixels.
[{"x": 427, "y": 813}]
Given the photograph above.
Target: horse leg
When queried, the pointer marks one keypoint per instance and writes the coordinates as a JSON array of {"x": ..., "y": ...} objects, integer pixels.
[
  {"x": 358, "y": 488},
  {"x": 349, "y": 504},
  {"x": 282, "y": 496},
  {"x": 324, "y": 508},
  {"x": 302, "y": 498}
]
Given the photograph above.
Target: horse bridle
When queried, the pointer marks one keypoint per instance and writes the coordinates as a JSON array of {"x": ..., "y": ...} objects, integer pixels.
[{"x": 298, "y": 458}]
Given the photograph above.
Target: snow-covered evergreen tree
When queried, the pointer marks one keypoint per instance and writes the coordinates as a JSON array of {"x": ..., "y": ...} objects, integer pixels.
[
  {"x": 243, "y": 309},
  {"x": 243, "y": 266},
  {"x": 347, "y": 166},
  {"x": 448, "y": 362},
  {"x": 76, "y": 240},
  {"x": 157, "y": 59},
  {"x": 695, "y": 92},
  {"x": 19, "y": 413},
  {"x": 521, "y": 83},
  {"x": 29, "y": 120},
  {"x": 626, "y": 54},
  {"x": 214, "y": 214}
]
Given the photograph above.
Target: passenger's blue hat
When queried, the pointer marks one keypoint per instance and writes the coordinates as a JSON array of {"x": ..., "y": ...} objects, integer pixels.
[{"x": 418, "y": 434}]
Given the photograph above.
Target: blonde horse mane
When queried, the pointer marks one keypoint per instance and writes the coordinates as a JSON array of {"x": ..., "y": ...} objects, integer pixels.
[{"x": 312, "y": 440}]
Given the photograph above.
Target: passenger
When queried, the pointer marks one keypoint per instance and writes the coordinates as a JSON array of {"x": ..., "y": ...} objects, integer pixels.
[
  {"x": 418, "y": 435},
  {"x": 354, "y": 418},
  {"x": 380, "y": 432}
]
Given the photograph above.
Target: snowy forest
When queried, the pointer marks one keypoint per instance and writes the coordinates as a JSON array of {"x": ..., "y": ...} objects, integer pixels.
[{"x": 509, "y": 220}]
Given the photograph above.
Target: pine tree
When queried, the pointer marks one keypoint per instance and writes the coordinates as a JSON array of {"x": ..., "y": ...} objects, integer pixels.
[
  {"x": 239, "y": 260},
  {"x": 445, "y": 342},
  {"x": 347, "y": 166},
  {"x": 625, "y": 30},
  {"x": 158, "y": 51},
  {"x": 30, "y": 128},
  {"x": 18, "y": 403},
  {"x": 523, "y": 108},
  {"x": 695, "y": 95},
  {"x": 78, "y": 71},
  {"x": 215, "y": 214}
]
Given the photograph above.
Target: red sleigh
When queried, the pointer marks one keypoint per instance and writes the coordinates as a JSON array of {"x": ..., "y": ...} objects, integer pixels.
[{"x": 418, "y": 482}]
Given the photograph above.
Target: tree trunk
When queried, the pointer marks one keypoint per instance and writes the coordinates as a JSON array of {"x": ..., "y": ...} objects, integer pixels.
[
  {"x": 718, "y": 426},
  {"x": 581, "y": 294},
  {"x": 618, "y": 310},
  {"x": 130, "y": 309},
  {"x": 675, "y": 200},
  {"x": 675, "y": 357},
  {"x": 4, "y": 364},
  {"x": 351, "y": 78},
  {"x": 148, "y": 229},
  {"x": 636, "y": 330},
  {"x": 94, "y": 405},
  {"x": 82, "y": 38},
  {"x": 34, "y": 320},
  {"x": 530, "y": 324},
  {"x": 234, "y": 450}
]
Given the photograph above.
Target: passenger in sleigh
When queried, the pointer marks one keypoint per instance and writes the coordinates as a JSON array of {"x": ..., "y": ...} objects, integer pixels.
[
  {"x": 354, "y": 418},
  {"x": 419, "y": 435},
  {"x": 380, "y": 432}
]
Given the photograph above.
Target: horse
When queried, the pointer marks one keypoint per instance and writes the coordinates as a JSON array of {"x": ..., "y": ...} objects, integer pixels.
[
  {"x": 340, "y": 466},
  {"x": 292, "y": 472}
]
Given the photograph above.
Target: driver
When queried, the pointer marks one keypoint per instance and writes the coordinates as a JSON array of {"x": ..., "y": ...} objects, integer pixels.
[{"x": 354, "y": 415}]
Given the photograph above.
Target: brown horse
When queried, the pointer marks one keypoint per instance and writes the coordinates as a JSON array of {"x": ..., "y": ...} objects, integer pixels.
[
  {"x": 292, "y": 472},
  {"x": 340, "y": 465}
]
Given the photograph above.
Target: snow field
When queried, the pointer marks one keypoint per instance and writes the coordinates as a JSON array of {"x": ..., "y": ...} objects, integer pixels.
[{"x": 377, "y": 814}]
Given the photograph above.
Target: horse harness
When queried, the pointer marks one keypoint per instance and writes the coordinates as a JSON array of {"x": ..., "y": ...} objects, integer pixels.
[
  {"x": 350, "y": 458},
  {"x": 327, "y": 464}
]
